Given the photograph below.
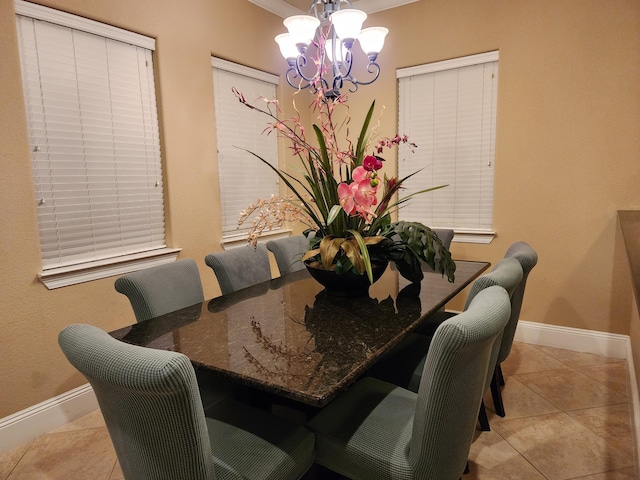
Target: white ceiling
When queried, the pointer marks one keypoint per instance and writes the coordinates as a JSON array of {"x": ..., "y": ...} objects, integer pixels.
[{"x": 285, "y": 8}]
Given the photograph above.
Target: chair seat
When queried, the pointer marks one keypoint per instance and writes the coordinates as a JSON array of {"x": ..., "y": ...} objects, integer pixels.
[
  {"x": 352, "y": 426},
  {"x": 249, "y": 443}
]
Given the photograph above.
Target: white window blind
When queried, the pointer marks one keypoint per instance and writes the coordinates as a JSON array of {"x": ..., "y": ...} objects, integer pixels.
[
  {"x": 243, "y": 177},
  {"x": 93, "y": 132},
  {"x": 449, "y": 110}
]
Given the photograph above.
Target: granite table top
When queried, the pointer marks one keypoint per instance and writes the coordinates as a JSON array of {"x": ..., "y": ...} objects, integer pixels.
[{"x": 289, "y": 338}]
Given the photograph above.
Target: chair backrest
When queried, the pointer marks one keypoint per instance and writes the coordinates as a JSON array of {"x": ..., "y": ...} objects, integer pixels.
[
  {"x": 452, "y": 385},
  {"x": 445, "y": 236},
  {"x": 507, "y": 274},
  {"x": 162, "y": 289},
  {"x": 150, "y": 402},
  {"x": 288, "y": 252},
  {"x": 528, "y": 259},
  {"x": 240, "y": 267}
]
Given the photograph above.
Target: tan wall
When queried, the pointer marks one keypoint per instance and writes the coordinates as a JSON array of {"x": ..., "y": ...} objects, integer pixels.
[
  {"x": 567, "y": 154},
  {"x": 567, "y": 128},
  {"x": 187, "y": 34}
]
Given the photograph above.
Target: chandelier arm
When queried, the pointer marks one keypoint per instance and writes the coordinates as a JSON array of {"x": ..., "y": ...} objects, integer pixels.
[
  {"x": 292, "y": 74},
  {"x": 300, "y": 63},
  {"x": 374, "y": 68}
]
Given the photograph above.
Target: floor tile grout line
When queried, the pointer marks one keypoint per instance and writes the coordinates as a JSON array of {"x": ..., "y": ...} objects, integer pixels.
[
  {"x": 567, "y": 413},
  {"x": 17, "y": 462},
  {"x": 524, "y": 457},
  {"x": 541, "y": 349},
  {"x": 559, "y": 407},
  {"x": 535, "y": 393}
]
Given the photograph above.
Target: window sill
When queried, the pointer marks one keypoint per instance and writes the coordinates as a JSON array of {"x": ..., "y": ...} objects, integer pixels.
[
  {"x": 473, "y": 236},
  {"x": 86, "y": 272},
  {"x": 234, "y": 241}
]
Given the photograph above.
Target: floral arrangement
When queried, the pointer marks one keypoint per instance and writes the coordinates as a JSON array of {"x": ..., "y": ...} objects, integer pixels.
[{"x": 341, "y": 198}]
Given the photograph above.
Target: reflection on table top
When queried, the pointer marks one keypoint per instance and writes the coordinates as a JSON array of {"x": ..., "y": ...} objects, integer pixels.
[{"x": 289, "y": 338}]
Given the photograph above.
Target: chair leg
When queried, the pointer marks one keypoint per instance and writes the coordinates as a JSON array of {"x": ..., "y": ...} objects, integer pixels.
[
  {"x": 483, "y": 419},
  {"x": 499, "y": 372},
  {"x": 496, "y": 395}
]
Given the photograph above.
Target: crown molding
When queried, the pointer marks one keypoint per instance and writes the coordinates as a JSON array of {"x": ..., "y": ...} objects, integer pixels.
[
  {"x": 278, "y": 7},
  {"x": 373, "y": 6},
  {"x": 283, "y": 9}
]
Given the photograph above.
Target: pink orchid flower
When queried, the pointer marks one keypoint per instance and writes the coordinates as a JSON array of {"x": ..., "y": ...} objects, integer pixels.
[
  {"x": 345, "y": 196},
  {"x": 371, "y": 163}
]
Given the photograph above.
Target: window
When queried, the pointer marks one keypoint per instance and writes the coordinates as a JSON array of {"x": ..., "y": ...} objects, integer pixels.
[
  {"x": 449, "y": 110},
  {"x": 93, "y": 132},
  {"x": 243, "y": 178}
]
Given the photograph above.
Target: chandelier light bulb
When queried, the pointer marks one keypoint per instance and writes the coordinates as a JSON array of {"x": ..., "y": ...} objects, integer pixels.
[
  {"x": 302, "y": 29},
  {"x": 372, "y": 40},
  {"x": 347, "y": 24},
  {"x": 287, "y": 46}
]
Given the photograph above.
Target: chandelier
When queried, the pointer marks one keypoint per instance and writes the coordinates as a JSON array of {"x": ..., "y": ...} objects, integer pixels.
[{"x": 332, "y": 32}]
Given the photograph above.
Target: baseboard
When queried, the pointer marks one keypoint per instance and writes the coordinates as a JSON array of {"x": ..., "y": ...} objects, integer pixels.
[
  {"x": 24, "y": 426},
  {"x": 574, "y": 339},
  {"x": 587, "y": 341}
]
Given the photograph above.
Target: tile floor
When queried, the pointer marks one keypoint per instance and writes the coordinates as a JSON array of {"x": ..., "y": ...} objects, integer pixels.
[{"x": 568, "y": 417}]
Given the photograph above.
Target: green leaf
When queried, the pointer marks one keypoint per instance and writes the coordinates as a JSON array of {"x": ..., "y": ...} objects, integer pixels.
[
  {"x": 363, "y": 139},
  {"x": 335, "y": 211},
  {"x": 365, "y": 253}
]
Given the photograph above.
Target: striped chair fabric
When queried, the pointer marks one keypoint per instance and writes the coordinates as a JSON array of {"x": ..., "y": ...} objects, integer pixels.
[
  {"x": 162, "y": 289},
  {"x": 379, "y": 431},
  {"x": 528, "y": 259},
  {"x": 288, "y": 252},
  {"x": 405, "y": 363},
  {"x": 240, "y": 267},
  {"x": 150, "y": 403}
]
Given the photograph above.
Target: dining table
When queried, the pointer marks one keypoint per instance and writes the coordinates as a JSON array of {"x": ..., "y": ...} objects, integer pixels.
[{"x": 288, "y": 338}]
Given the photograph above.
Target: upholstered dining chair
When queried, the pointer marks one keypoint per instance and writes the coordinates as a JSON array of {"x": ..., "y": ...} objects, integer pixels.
[
  {"x": 240, "y": 267},
  {"x": 379, "y": 431},
  {"x": 528, "y": 259},
  {"x": 162, "y": 289},
  {"x": 288, "y": 252},
  {"x": 166, "y": 288},
  {"x": 403, "y": 366},
  {"x": 150, "y": 403}
]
